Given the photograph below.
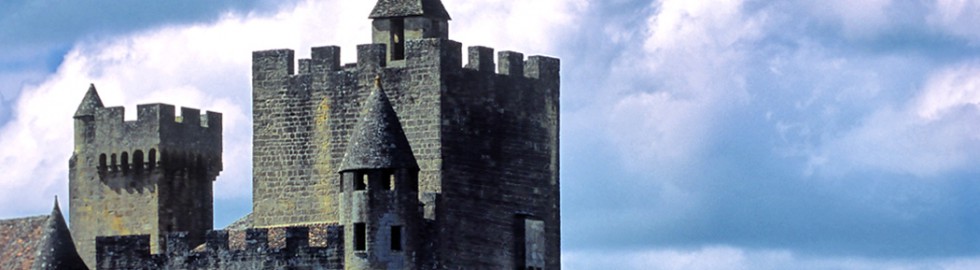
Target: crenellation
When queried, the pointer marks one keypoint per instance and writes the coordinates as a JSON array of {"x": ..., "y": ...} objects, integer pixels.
[
  {"x": 216, "y": 240},
  {"x": 190, "y": 116},
  {"x": 325, "y": 59},
  {"x": 371, "y": 58},
  {"x": 542, "y": 67},
  {"x": 481, "y": 59},
  {"x": 510, "y": 63},
  {"x": 257, "y": 239},
  {"x": 296, "y": 238}
]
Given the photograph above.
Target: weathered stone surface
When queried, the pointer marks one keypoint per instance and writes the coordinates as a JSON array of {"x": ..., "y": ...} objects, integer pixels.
[
  {"x": 148, "y": 176},
  {"x": 444, "y": 166}
]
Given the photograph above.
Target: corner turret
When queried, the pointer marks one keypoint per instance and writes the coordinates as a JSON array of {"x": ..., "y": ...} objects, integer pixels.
[
  {"x": 58, "y": 250},
  {"x": 90, "y": 103},
  {"x": 379, "y": 191},
  {"x": 396, "y": 21}
]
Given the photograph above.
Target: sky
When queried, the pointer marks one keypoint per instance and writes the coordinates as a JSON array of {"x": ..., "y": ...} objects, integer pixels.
[{"x": 729, "y": 134}]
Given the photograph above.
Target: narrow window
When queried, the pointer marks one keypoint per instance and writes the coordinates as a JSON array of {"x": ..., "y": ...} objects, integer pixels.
[
  {"x": 360, "y": 236},
  {"x": 396, "y": 238},
  {"x": 125, "y": 162},
  {"x": 391, "y": 181},
  {"x": 102, "y": 163},
  {"x": 388, "y": 181},
  {"x": 112, "y": 165},
  {"x": 530, "y": 243},
  {"x": 397, "y": 39},
  {"x": 153, "y": 159},
  {"x": 360, "y": 182},
  {"x": 138, "y": 160}
]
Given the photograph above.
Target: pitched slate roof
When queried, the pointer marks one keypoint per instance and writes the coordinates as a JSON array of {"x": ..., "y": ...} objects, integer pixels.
[
  {"x": 378, "y": 141},
  {"x": 41, "y": 242},
  {"x": 404, "y": 8},
  {"x": 89, "y": 103},
  {"x": 19, "y": 239}
]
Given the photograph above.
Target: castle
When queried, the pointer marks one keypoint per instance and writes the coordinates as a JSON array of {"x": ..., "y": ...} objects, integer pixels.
[{"x": 406, "y": 159}]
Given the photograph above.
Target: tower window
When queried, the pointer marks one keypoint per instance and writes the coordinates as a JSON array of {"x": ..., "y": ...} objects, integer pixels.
[
  {"x": 396, "y": 238},
  {"x": 102, "y": 163},
  {"x": 360, "y": 181},
  {"x": 360, "y": 236},
  {"x": 112, "y": 165},
  {"x": 389, "y": 181},
  {"x": 397, "y": 39},
  {"x": 530, "y": 243},
  {"x": 125, "y": 162},
  {"x": 153, "y": 158},
  {"x": 138, "y": 160}
]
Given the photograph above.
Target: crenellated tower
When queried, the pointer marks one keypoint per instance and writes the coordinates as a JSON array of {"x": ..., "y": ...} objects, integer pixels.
[
  {"x": 149, "y": 176},
  {"x": 483, "y": 127}
]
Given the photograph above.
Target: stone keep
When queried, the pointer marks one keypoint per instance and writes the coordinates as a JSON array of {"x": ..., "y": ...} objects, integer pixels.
[
  {"x": 485, "y": 137},
  {"x": 406, "y": 159},
  {"x": 149, "y": 176}
]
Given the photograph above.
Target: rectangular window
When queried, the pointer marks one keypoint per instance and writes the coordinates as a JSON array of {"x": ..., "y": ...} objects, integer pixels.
[
  {"x": 360, "y": 181},
  {"x": 396, "y": 238},
  {"x": 397, "y": 39},
  {"x": 530, "y": 243},
  {"x": 360, "y": 236}
]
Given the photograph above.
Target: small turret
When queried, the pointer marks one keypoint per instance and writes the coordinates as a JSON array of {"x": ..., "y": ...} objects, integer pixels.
[
  {"x": 379, "y": 191},
  {"x": 396, "y": 21},
  {"x": 85, "y": 118},
  {"x": 57, "y": 248},
  {"x": 90, "y": 103}
]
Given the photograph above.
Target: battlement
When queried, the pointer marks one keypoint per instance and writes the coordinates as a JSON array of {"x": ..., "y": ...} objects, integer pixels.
[
  {"x": 279, "y": 64},
  {"x": 317, "y": 244},
  {"x": 158, "y": 138},
  {"x": 159, "y": 114}
]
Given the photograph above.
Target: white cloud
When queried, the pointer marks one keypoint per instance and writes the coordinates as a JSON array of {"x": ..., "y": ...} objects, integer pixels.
[
  {"x": 207, "y": 66},
  {"x": 857, "y": 19},
  {"x": 934, "y": 133},
  {"x": 736, "y": 258},
  {"x": 694, "y": 54},
  {"x": 958, "y": 17}
]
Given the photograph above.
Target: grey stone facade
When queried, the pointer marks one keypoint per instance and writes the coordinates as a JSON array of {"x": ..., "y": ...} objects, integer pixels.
[
  {"x": 411, "y": 158},
  {"x": 148, "y": 176}
]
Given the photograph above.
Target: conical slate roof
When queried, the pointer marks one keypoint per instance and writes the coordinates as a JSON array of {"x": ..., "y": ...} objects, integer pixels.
[
  {"x": 56, "y": 249},
  {"x": 378, "y": 141},
  {"x": 41, "y": 242},
  {"x": 404, "y": 8},
  {"x": 90, "y": 102}
]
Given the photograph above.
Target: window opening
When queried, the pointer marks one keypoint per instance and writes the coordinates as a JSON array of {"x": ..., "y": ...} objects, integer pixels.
[
  {"x": 153, "y": 158},
  {"x": 360, "y": 182},
  {"x": 138, "y": 160},
  {"x": 102, "y": 163},
  {"x": 360, "y": 236},
  {"x": 125, "y": 162},
  {"x": 396, "y": 238},
  {"x": 112, "y": 165},
  {"x": 398, "y": 39}
]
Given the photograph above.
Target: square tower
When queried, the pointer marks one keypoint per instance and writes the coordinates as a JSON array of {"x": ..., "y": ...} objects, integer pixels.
[
  {"x": 484, "y": 134},
  {"x": 149, "y": 176}
]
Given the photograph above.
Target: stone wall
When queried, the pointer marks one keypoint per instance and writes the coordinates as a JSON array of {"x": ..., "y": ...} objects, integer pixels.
[
  {"x": 486, "y": 142},
  {"x": 147, "y": 176},
  {"x": 300, "y": 247}
]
